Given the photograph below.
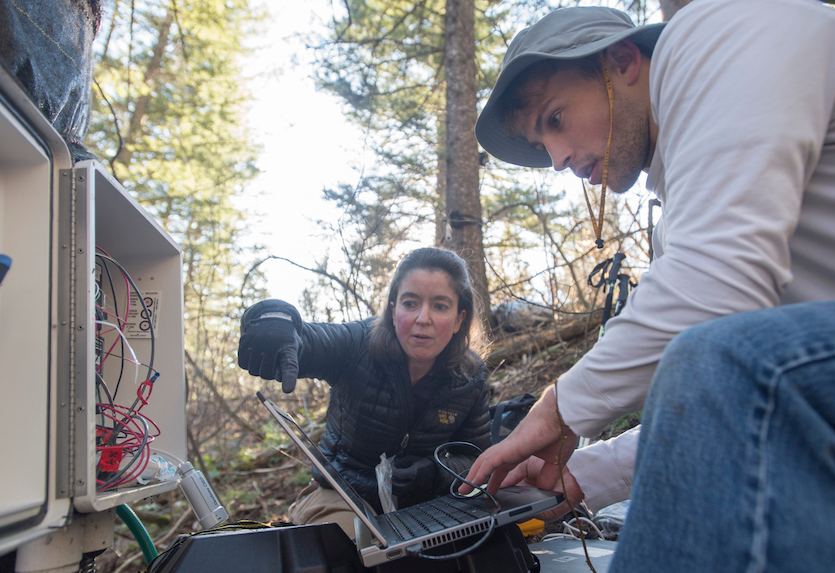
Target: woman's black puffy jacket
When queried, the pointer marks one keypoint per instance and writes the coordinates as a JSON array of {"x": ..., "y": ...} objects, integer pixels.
[{"x": 371, "y": 408}]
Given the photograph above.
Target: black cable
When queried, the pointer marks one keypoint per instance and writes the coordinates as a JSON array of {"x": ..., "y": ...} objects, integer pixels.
[
  {"x": 101, "y": 385},
  {"x": 116, "y": 313},
  {"x": 455, "y": 494},
  {"x": 441, "y": 451}
]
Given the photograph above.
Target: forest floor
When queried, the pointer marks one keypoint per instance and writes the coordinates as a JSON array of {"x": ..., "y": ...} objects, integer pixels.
[{"x": 265, "y": 481}]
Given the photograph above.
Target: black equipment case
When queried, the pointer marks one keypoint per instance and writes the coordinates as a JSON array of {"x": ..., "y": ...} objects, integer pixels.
[{"x": 325, "y": 548}]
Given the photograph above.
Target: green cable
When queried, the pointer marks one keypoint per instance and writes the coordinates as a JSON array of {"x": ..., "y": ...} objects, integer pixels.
[{"x": 138, "y": 530}]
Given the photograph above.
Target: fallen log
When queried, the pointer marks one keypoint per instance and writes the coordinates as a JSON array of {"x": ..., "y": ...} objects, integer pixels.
[{"x": 533, "y": 341}]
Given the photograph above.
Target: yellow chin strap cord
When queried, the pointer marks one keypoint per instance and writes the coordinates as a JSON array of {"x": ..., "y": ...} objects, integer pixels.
[{"x": 598, "y": 224}]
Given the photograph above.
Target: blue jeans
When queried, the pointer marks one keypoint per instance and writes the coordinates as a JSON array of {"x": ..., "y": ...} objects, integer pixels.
[{"x": 736, "y": 461}]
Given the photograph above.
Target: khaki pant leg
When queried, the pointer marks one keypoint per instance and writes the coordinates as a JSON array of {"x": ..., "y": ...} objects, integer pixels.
[{"x": 316, "y": 504}]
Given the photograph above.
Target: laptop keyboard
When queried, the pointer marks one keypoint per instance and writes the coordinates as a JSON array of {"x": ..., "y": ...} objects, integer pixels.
[{"x": 432, "y": 516}]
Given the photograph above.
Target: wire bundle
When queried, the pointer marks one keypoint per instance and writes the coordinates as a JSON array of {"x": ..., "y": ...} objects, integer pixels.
[
  {"x": 570, "y": 530},
  {"x": 131, "y": 436},
  {"x": 123, "y": 434}
]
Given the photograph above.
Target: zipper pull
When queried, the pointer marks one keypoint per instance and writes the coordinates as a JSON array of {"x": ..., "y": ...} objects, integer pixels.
[{"x": 405, "y": 442}]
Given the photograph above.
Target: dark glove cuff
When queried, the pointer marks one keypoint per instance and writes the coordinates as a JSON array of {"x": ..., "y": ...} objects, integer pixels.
[{"x": 272, "y": 308}]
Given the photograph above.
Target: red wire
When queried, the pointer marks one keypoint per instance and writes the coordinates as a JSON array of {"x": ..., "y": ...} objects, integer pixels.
[
  {"x": 132, "y": 442},
  {"x": 118, "y": 318}
]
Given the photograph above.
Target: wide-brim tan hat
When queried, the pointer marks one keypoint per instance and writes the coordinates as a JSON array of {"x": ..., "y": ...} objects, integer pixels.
[{"x": 565, "y": 34}]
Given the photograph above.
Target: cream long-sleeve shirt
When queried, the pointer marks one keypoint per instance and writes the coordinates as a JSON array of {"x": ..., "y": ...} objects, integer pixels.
[{"x": 743, "y": 94}]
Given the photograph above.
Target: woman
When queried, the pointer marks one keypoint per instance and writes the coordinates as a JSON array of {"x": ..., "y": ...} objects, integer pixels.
[{"x": 401, "y": 383}]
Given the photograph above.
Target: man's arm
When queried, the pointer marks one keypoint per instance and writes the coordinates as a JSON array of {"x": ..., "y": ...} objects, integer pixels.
[{"x": 603, "y": 470}]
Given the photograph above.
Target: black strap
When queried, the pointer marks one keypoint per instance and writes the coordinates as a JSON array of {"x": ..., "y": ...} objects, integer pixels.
[
  {"x": 600, "y": 268},
  {"x": 520, "y": 403},
  {"x": 610, "y": 281},
  {"x": 496, "y": 425},
  {"x": 624, "y": 285}
]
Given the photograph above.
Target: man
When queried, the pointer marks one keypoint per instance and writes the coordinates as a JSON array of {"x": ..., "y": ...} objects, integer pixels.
[{"x": 729, "y": 110}]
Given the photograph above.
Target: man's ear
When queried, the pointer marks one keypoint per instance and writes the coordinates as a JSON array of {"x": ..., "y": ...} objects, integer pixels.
[{"x": 624, "y": 60}]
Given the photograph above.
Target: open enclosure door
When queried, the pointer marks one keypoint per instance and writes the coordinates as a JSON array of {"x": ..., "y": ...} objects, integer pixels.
[{"x": 31, "y": 154}]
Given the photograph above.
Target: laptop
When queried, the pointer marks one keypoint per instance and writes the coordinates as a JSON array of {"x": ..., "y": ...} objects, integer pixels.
[{"x": 426, "y": 527}]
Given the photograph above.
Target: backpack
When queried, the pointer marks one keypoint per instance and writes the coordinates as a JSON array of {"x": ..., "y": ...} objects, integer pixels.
[{"x": 507, "y": 414}]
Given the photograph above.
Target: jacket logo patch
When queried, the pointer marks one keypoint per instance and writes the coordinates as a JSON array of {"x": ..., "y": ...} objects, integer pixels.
[{"x": 446, "y": 417}]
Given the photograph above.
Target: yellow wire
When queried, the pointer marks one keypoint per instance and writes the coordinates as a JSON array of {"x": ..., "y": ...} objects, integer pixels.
[
  {"x": 598, "y": 225},
  {"x": 562, "y": 482}
]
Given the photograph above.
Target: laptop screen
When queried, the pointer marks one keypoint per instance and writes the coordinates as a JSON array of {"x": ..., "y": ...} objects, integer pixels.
[{"x": 313, "y": 452}]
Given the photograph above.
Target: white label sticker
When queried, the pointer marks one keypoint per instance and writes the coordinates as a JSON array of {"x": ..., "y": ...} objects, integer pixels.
[
  {"x": 593, "y": 551},
  {"x": 139, "y": 322}
]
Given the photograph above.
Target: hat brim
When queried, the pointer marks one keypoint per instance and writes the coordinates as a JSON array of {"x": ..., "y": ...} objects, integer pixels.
[{"x": 491, "y": 130}]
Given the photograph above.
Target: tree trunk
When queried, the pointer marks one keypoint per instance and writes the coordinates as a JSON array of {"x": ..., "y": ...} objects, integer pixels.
[
  {"x": 153, "y": 69},
  {"x": 440, "y": 208},
  {"x": 463, "y": 204},
  {"x": 670, "y": 7}
]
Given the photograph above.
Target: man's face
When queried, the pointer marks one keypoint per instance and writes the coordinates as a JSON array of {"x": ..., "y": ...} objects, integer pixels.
[{"x": 569, "y": 118}]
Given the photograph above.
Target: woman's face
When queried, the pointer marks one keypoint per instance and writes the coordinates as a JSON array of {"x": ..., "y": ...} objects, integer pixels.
[{"x": 425, "y": 316}]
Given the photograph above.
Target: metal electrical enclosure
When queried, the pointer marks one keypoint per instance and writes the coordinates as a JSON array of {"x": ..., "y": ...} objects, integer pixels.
[
  {"x": 108, "y": 219},
  {"x": 54, "y": 219}
]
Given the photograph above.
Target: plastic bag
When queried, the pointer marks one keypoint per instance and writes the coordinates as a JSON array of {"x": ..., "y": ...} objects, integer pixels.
[
  {"x": 158, "y": 469},
  {"x": 47, "y": 48},
  {"x": 610, "y": 519},
  {"x": 383, "y": 471}
]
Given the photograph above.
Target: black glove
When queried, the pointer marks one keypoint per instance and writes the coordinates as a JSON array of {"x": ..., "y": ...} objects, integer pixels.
[
  {"x": 413, "y": 475},
  {"x": 270, "y": 342}
]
